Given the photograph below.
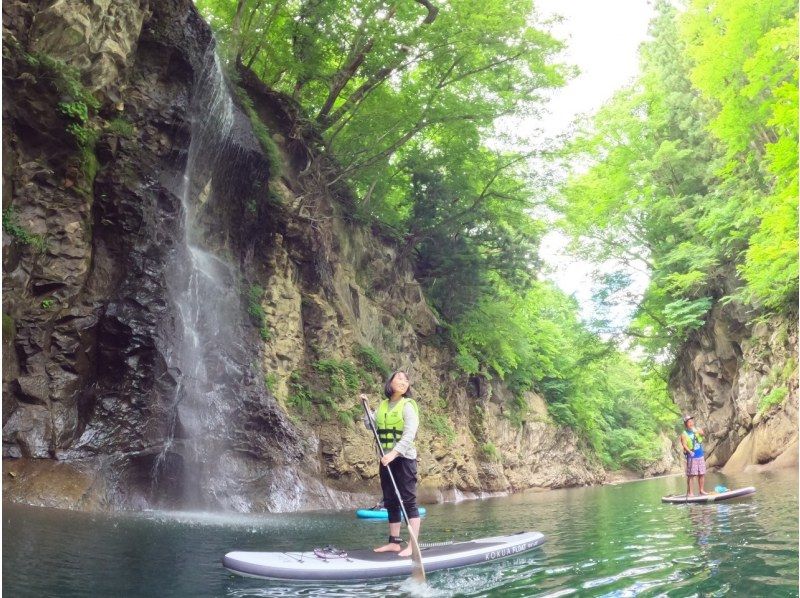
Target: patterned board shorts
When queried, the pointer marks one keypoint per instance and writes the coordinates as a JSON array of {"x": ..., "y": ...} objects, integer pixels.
[{"x": 696, "y": 466}]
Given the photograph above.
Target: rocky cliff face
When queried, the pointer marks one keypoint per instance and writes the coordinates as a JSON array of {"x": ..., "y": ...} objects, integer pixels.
[
  {"x": 95, "y": 168},
  {"x": 105, "y": 213},
  {"x": 340, "y": 299},
  {"x": 739, "y": 379}
]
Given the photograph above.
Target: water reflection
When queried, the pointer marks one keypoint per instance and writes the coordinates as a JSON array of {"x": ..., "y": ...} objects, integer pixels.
[{"x": 609, "y": 541}]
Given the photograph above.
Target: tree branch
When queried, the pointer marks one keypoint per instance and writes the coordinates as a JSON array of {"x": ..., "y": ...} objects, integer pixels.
[
  {"x": 485, "y": 67},
  {"x": 235, "y": 28},
  {"x": 432, "y": 11}
]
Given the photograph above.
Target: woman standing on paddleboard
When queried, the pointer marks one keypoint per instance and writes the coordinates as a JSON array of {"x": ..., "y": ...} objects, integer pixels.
[{"x": 397, "y": 420}]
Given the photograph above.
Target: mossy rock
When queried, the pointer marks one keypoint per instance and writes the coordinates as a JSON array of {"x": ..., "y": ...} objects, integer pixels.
[{"x": 9, "y": 328}]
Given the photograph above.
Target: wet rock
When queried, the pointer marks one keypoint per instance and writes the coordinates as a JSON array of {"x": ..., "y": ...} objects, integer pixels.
[
  {"x": 28, "y": 432},
  {"x": 88, "y": 376},
  {"x": 33, "y": 389},
  {"x": 47, "y": 483}
]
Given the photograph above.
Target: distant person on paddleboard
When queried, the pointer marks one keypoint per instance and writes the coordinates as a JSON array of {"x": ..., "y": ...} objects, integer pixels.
[
  {"x": 397, "y": 419},
  {"x": 692, "y": 443}
]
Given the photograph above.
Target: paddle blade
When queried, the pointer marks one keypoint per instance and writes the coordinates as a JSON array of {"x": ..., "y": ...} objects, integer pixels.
[{"x": 417, "y": 570}]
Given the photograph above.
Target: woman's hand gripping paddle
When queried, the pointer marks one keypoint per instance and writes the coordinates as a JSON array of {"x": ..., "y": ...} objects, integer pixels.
[{"x": 418, "y": 571}]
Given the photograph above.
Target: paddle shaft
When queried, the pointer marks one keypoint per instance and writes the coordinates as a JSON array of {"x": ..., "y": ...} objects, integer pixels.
[
  {"x": 415, "y": 545},
  {"x": 689, "y": 457}
]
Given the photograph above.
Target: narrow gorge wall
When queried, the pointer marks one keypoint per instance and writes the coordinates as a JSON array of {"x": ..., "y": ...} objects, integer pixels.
[
  {"x": 94, "y": 412},
  {"x": 96, "y": 250},
  {"x": 339, "y": 297},
  {"x": 739, "y": 379}
]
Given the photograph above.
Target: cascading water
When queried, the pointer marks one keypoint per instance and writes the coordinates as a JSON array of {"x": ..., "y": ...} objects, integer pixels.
[
  {"x": 207, "y": 353},
  {"x": 222, "y": 441}
]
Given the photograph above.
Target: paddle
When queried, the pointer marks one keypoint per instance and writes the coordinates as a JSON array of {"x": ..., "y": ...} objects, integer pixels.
[
  {"x": 418, "y": 571},
  {"x": 689, "y": 457}
]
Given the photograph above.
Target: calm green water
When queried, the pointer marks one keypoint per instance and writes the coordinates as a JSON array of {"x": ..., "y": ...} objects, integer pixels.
[{"x": 607, "y": 541}]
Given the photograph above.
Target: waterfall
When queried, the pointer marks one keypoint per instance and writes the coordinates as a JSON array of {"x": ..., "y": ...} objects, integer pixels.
[{"x": 204, "y": 289}]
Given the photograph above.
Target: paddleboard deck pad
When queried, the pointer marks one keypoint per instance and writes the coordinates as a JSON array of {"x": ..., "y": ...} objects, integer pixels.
[
  {"x": 707, "y": 498},
  {"x": 381, "y": 514},
  {"x": 329, "y": 564}
]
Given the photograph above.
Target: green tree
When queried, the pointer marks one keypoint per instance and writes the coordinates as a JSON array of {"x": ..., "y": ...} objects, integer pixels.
[
  {"x": 681, "y": 189},
  {"x": 643, "y": 201},
  {"x": 405, "y": 95},
  {"x": 745, "y": 63}
]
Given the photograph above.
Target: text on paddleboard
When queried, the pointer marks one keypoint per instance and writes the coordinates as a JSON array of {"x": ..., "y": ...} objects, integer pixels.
[{"x": 498, "y": 554}]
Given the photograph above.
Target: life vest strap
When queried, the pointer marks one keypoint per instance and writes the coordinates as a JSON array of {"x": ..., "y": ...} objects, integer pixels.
[{"x": 389, "y": 436}]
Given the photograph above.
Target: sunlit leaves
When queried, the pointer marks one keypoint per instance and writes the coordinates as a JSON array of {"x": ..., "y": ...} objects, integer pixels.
[
  {"x": 745, "y": 61},
  {"x": 693, "y": 170}
]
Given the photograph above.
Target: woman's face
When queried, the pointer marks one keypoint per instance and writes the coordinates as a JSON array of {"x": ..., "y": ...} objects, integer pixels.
[{"x": 399, "y": 383}]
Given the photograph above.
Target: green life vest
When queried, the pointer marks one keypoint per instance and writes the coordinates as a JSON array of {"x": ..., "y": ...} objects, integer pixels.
[
  {"x": 390, "y": 421},
  {"x": 693, "y": 440}
]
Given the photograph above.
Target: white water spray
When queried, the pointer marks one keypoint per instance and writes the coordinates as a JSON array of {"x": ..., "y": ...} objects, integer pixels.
[{"x": 204, "y": 289}]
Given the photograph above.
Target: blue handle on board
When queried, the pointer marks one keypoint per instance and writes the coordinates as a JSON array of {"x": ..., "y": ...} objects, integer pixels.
[{"x": 720, "y": 489}]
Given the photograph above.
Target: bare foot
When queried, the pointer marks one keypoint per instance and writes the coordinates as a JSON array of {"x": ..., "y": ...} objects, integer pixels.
[
  {"x": 391, "y": 547},
  {"x": 690, "y": 495},
  {"x": 405, "y": 552},
  {"x": 704, "y": 493}
]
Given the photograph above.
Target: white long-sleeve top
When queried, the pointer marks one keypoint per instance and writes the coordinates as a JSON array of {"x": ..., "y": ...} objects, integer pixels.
[{"x": 404, "y": 446}]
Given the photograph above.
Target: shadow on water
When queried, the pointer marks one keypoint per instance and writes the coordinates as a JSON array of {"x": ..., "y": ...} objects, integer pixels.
[{"x": 604, "y": 541}]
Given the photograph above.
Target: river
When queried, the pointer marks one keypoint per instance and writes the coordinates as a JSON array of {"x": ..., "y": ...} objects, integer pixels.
[{"x": 602, "y": 541}]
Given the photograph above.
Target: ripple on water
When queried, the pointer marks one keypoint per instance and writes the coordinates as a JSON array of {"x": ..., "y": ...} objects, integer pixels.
[
  {"x": 633, "y": 572},
  {"x": 559, "y": 593},
  {"x": 558, "y": 570}
]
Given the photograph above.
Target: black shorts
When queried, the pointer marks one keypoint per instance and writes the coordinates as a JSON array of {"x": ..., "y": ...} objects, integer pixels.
[{"x": 405, "y": 476}]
